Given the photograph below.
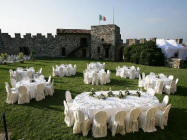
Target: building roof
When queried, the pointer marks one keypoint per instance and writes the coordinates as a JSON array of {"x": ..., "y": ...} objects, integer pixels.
[{"x": 73, "y": 31}]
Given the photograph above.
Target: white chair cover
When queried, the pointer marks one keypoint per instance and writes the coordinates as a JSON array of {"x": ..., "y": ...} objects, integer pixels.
[
  {"x": 117, "y": 123},
  {"x": 151, "y": 91},
  {"x": 162, "y": 117},
  {"x": 159, "y": 86},
  {"x": 13, "y": 82},
  {"x": 81, "y": 124},
  {"x": 131, "y": 120},
  {"x": 99, "y": 128},
  {"x": 49, "y": 89},
  {"x": 40, "y": 92},
  {"x": 23, "y": 96},
  {"x": 68, "y": 97},
  {"x": 69, "y": 118},
  {"x": 165, "y": 101},
  {"x": 147, "y": 120},
  {"x": 12, "y": 96}
]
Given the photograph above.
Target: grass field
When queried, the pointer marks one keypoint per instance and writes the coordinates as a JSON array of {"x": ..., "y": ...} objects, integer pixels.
[{"x": 44, "y": 120}]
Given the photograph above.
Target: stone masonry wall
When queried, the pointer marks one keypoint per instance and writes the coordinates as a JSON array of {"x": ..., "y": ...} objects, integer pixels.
[
  {"x": 105, "y": 36},
  {"x": 50, "y": 46}
]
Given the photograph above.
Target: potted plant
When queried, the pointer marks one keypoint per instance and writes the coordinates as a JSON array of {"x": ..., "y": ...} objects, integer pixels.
[{"x": 20, "y": 57}]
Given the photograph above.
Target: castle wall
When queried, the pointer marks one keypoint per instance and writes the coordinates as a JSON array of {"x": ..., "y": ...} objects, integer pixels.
[{"x": 50, "y": 46}]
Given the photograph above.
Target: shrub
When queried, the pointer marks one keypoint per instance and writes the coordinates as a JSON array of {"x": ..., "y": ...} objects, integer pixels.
[
  {"x": 127, "y": 54},
  {"x": 4, "y": 56},
  {"x": 20, "y": 56},
  {"x": 146, "y": 54}
]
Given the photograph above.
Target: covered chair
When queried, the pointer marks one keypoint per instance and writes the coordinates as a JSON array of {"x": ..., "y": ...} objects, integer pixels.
[
  {"x": 103, "y": 78},
  {"x": 137, "y": 72},
  {"x": 82, "y": 123},
  {"x": 131, "y": 120},
  {"x": 108, "y": 77},
  {"x": 68, "y": 97},
  {"x": 150, "y": 91},
  {"x": 49, "y": 89},
  {"x": 165, "y": 101},
  {"x": 68, "y": 72},
  {"x": 53, "y": 71},
  {"x": 23, "y": 96},
  {"x": 69, "y": 118},
  {"x": 162, "y": 117},
  {"x": 40, "y": 71},
  {"x": 174, "y": 86},
  {"x": 118, "y": 71},
  {"x": 61, "y": 72},
  {"x": 12, "y": 95},
  {"x": 40, "y": 92},
  {"x": 86, "y": 78},
  {"x": 140, "y": 82},
  {"x": 13, "y": 82},
  {"x": 12, "y": 74},
  {"x": 132, "y": 74},
  {"x": 74, "y": 69},
  {"x": 168, "y": 88},
  {"x": 117, "y": 123},
  {"x": 49, "y": 80},
  {"x": 159, "y": 86},
  {"x": 99, "y": 126},
  {"x": 30, "y": 74},
  {"x": 143, "y": 76},
  {"x": 147, "y": 120},
  {"x": 95, "y": 79},
  {"x": 171, "y": 77}
]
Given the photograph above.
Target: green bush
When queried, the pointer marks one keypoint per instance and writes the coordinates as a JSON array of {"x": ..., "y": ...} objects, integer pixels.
[
  {"x": 126, "y": 53},
  {"x": 146, "y": 54},
  {"x": 4, "y": 56},
  {"x": 20, "y": 56}
]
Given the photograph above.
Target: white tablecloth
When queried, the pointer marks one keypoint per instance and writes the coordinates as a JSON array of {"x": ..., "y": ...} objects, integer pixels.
[
  {"x": 153, "y": 80},
  {"x": 68, "y": 70},
  {"x": 21, "y": 74},
  {"x": 31, "y": 86},
  {"x": 90, "y": 105}
]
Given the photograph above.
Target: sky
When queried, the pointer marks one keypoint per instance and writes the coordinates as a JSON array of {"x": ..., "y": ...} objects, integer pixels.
[{"x": 136, "y": 18}]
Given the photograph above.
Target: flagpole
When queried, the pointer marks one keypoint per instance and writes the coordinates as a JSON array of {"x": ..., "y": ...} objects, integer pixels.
[{"x": 113, "y": 15}]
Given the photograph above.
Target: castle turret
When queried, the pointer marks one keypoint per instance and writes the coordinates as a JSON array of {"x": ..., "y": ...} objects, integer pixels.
[{"x": 105, "y": 42}]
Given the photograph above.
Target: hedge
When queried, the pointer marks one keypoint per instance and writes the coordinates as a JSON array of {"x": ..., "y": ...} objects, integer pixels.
[{"x": 145, "y": 54}]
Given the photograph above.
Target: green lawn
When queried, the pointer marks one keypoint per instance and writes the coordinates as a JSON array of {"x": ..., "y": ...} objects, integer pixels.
[{"x": 45, "y": 119}]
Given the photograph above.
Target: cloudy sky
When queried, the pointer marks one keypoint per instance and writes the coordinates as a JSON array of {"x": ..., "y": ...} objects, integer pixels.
[{"x": 136, "y": 18}]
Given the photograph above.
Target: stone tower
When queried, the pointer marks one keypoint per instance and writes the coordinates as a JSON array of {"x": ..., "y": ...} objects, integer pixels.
[{"x": 106, "y": 42}]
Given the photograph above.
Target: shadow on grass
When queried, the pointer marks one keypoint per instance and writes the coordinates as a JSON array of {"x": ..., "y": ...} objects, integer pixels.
[
  {"x": 54, "y": 102},
  {"x": 122, "y": 83},
  {"x": 181, "y": 91}
]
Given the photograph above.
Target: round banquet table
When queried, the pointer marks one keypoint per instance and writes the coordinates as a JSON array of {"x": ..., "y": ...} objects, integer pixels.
[
  {"x": 31, "y": 86},
  {"x": 23, "y": 73},
  {"x": 91, "y": 105}
]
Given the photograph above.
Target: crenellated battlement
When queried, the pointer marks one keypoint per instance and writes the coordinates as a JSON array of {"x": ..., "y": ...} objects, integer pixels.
[
  {"x": 6, "y": 36},
  {"x": 134, "y": 41}
]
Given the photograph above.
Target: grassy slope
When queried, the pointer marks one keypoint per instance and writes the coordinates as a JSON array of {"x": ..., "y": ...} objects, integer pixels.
[{"x": 45, "y": 119}]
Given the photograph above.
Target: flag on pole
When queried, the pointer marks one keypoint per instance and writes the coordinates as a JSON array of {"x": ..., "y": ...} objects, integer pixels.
[{"x": 102, "y": 18}]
